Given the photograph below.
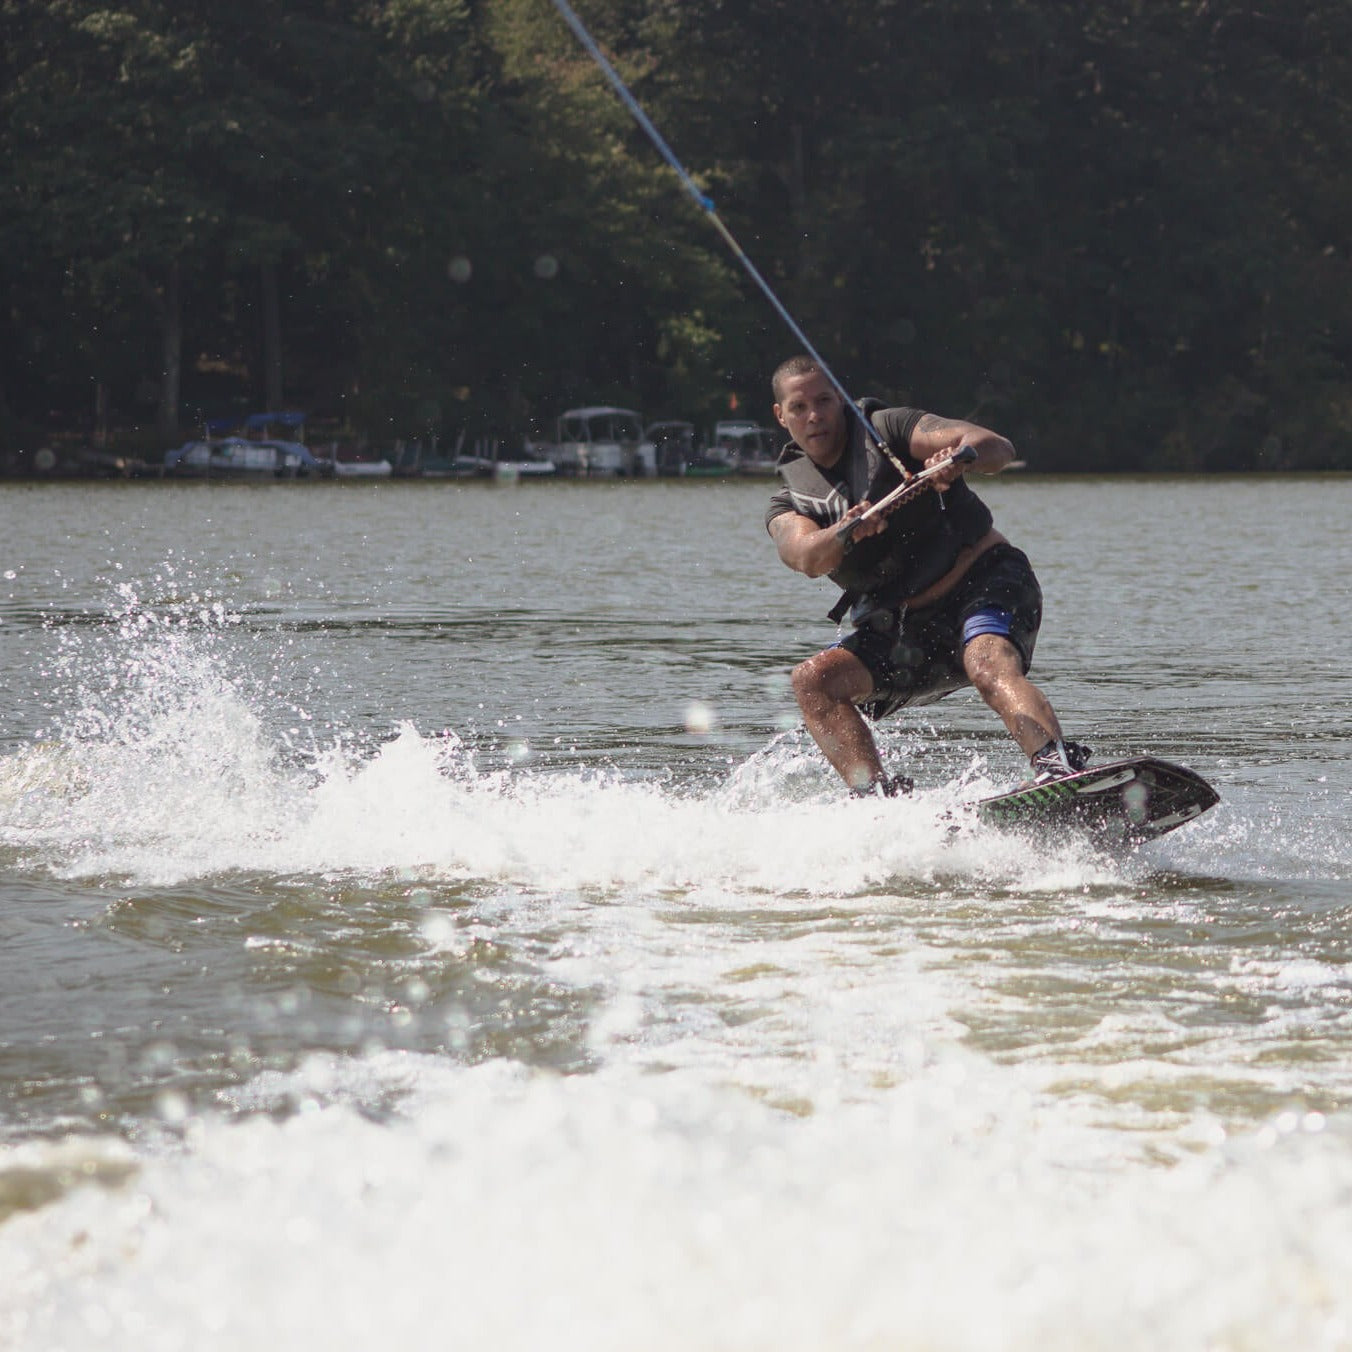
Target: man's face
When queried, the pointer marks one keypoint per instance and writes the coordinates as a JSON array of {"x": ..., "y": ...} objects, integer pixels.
[{"x": 811, "y": 412}]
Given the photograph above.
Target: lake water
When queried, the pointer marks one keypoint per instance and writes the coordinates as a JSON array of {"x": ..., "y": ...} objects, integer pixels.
[{"x": 425, "y": 924}]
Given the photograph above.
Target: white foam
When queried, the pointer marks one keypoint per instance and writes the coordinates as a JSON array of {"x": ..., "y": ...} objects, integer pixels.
[
  {"x": 787, "y": 1135},
  {"x": 169, "y": 763},
  {"x": 202, "y": 792},
  {"x": 510, "y": 1209}
]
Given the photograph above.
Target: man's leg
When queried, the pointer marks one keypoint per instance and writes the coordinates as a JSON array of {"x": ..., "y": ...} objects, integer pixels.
[
  {"x": 828, "y": 686},
  {"x": 994, "y": 667}
]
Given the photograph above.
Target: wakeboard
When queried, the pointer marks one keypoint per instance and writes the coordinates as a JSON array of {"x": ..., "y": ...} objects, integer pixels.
[{"x": 1133, "y": 800}]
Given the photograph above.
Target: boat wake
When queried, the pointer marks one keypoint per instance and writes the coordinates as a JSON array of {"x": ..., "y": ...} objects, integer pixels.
[
  {"x": 168, "y": 759},
  {"x": 201, "y": 791}
]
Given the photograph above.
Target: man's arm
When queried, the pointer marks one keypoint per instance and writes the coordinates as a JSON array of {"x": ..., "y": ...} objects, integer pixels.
[
  {"x": 815, "y": 550},
  {"x": 934, "y": 439}
]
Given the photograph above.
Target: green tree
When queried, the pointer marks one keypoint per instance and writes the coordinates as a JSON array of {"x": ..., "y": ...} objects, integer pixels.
[{"x": 1115, "y": 231}]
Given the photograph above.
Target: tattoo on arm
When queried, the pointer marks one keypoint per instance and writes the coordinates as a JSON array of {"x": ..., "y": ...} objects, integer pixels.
[{"x": 932, "y": 422}]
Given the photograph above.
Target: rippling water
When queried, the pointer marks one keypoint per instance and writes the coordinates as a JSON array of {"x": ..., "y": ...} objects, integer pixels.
[{"x": 424, "y": 923}]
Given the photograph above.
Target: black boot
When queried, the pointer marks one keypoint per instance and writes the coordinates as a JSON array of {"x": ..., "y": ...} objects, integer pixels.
[
  {"x": 1056, "y": 760},
  {"x": 889, "y": 786}
]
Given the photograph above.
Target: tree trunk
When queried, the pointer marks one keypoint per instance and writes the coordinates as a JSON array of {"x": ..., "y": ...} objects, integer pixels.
[
  {"x": 171, "y": 337},
  {"x": 100, "y": 415},
  {"x": 272, "y": 339},
  {"x": 798, "y": 203}
]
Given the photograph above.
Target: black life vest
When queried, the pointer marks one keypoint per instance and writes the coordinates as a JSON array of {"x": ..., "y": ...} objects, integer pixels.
[{"x": 923, "y": 537}]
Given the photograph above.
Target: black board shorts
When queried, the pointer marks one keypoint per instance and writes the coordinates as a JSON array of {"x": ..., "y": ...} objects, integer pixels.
[{"x": 915, "y": 656}]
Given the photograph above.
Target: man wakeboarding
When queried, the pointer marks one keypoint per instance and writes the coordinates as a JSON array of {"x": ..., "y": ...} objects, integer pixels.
[{"x": 937, "y": 598}]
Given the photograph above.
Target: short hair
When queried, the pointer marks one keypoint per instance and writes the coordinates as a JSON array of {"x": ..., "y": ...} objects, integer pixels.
[{"x": 799, "y": 365}]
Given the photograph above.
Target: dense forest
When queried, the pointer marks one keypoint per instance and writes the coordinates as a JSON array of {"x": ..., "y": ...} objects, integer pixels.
[{"x": 1116, "y": 231}]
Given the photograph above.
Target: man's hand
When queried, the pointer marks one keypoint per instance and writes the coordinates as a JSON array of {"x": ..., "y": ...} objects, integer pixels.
[
  {"x": 945, "y": 468},
  {"x": 940, "y": 470},
  {"x": 862, "y": 529}
]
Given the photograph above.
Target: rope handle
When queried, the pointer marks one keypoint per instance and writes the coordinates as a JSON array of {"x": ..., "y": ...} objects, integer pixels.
[{"x": 904, "y": 492}]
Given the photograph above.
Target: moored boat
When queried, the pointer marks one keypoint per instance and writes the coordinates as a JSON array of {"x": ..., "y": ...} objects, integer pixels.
[
  {"x": 361, "y": 469},
  {"x": 245, "y": 458},
  {"x": 673, "y": 446},
  {"x": 257, "y": 454},
  {"x": 712, "y": 463},
  {"x": 601, "y": 440},
  {"x": 483, "y": 467},
  {"x": 350, "y": 462},
  {"x": 751, "y": 448}
]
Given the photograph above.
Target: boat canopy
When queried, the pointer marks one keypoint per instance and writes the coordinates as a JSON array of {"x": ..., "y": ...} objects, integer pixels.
[
  {"x": 254, "y": 422},
  {"x": 600, "y": 423}
]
